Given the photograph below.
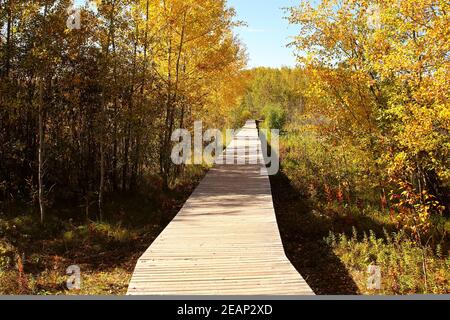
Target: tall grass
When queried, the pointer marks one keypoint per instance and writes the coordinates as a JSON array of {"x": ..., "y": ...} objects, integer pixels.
[{"x": 406, "y": 267}]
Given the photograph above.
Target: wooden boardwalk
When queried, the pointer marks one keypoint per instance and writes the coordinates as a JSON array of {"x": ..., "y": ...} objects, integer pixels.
[{"x": 225, "y": 240}]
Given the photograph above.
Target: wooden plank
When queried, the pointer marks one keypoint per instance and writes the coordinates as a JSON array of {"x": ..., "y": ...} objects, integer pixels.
[{"x": 225, "y": 240}]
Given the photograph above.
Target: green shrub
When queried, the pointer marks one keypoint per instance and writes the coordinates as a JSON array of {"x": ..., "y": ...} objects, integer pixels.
[
  {"x": 245, "y": 116},
  {"x": 275, "y": 116},
  {"x": 406, "y": 267},
  {"x": 327, "y": 172}
]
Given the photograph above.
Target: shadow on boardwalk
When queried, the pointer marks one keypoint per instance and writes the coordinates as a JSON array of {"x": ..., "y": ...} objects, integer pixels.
[{"x": 302, "y": 234}]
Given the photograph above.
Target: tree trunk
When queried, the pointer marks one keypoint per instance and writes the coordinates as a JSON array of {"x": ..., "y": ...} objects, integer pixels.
[
  {"x": 102, "y": 181},
  {"x": 41, "y": 152},
  {"x": 103, "y": 115}
]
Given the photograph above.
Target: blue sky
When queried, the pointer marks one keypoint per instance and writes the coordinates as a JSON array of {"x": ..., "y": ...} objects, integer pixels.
[{"x": 267, "y": 33}]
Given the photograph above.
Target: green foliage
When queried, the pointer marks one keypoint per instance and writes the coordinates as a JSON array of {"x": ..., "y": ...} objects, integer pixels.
[
  {"x": 245, "y": 115},
  {"x": 406, "y": 267},
  {"x": 275, "y": 116},
  {"x": 239, "y": 115},
  {"x": 317, "y": 167},
  {"x": 273, "y": 88}
]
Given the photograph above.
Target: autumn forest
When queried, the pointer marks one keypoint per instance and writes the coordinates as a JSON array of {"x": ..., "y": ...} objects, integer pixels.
[{"x": 87, "y": 114}]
